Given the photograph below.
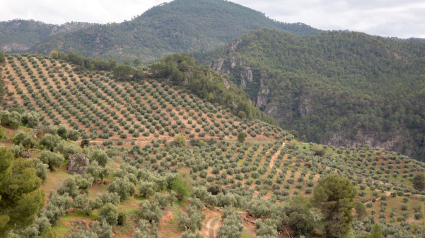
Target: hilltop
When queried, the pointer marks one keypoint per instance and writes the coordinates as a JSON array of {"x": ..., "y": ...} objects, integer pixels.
[
  {"x": 20, "y": 35},
  {"x": 337, "y": 88},
  {"x": 130, "y": 128},
  {"x": 178, "y": 26}
]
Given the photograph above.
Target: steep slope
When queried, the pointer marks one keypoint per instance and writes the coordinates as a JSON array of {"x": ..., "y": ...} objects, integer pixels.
[
  {"x": 342, "y": 88},
  {"x": 182, "y": 25},
  {"x": 119, "y": 111},
  {"x": 20, "y": 35}
]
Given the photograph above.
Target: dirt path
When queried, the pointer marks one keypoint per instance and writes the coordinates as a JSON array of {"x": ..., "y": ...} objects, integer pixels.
[
  {"x": 274, "y": 157},
  {"x": 212, "y": 223}
]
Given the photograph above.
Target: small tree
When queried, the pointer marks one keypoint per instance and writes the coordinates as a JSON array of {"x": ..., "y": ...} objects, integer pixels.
[
  {"x": 123, "y": 187},
  {"x": 318, "y": 150},
  {"x": 136, "y": 62},
  {"x": 147, "y": 188},
  {"x": 73, "y": 135},
  {"x": 109, "y": 213},
  {"x": 30, "y": 119},
  {"x": 360, "y": 211},
  {"x": 84, "y": 143},
  {"x": 27, "y": 139},
  {"x": 98, "y": 155},
  {"x": 241, "y": 137},
  {"x": 150, "y": 211},
  {"x": 180, "y": 141},
  {"x": 376, "y": 232},
  {"x": 96, "y": 171},
  {"x": 419, "y": 182},
  {"x": 192, "y": 219},
  {"x": 54, "y": 54},
  {"x": 80, "y": 201},
  {"x": 54, "y": 160},
  {"x": 146, "y": 229},
  {"x": 49, "y": 141},
  {"x": 62, "y": 131},
  {"x": 178, "y": 185}
]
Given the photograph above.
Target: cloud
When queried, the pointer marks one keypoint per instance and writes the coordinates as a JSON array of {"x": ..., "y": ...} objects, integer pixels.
[
  {"x": 376, "y": 17},
  {"x": 402, "y": 19}
]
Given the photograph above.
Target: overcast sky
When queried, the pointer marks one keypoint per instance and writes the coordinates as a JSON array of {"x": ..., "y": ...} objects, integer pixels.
[{"x": 400, "y": 18}]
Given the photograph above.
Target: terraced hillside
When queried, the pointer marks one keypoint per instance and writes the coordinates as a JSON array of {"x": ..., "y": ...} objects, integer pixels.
[
  {"x": 106, "y": 110},
  {"x": 138, "y": 184}
]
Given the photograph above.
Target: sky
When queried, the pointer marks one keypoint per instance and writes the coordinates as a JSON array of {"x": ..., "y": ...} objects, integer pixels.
[{"x": 394, "y": 18}]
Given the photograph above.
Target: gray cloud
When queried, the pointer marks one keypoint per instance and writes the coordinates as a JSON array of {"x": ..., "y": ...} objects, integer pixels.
[{"x": 376, "y": 17}]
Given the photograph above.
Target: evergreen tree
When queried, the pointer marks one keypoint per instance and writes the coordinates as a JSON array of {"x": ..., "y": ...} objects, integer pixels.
[
  {"x": 334, "y": 197},
  {"x": 419, "y": 182},
  {"x": 20, "y": 196}
]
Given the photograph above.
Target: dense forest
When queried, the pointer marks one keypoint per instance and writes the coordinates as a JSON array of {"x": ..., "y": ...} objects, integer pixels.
[
  {"x": 343, "y": 88},
  {"x": 20, "y": 35},
  {"x": 179, "y": 26}
]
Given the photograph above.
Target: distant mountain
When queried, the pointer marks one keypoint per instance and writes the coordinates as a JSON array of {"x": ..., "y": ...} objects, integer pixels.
[
  {"x": 20, "y": 35},
  {"x": 178, "y": 26},
  {"x": 341, "y": 88}
]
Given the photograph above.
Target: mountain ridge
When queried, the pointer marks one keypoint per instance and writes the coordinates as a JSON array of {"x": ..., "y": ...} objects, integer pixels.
[
  {"x": 19, "y": 35},
  {"x": 178, "y": 26},
  {"x": 354, "y": 77}
]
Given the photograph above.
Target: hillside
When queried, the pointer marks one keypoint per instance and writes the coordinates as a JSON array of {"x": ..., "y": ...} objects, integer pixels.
[
  {"x": 338, "y": 88},
  {"x": 257, "y": 187},
  {"x": 117, "y": 111},
  {"x": 20, "y": 35},
  {"x": 179, "y": 26}
]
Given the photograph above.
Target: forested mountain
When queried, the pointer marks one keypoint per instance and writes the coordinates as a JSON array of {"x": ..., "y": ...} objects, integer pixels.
[
  {"x": 20, "y": 35},
  {"x": 341, "y": 88},
  {"x": 182, "y": 25}
]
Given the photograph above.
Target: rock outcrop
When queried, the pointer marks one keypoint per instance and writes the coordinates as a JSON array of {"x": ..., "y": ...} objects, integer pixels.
[{"x": 78, "y": 164}]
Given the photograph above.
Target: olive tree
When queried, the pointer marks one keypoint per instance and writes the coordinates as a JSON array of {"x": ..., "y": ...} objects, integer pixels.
[
  {"x": 27, "y": 139},
  {"x": 97, "y": 155},
  {"x": 147, "y": 188},
  {"x": 96, "y": 171},
  {"x": 123, "y": 187},
  {"x": 62, "y": 131},
  {"x": 12, "y": 119},
  {"x": 54, "y": 160},
  {"x": 109, "y": 213},
  {"x": 146, "y": 229},
  {"x": 150, "y": 211},
  {"x": 49, "y": 141},
  {"x": 191, "y": 219},
  {"x": 30, "y": 119}
]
